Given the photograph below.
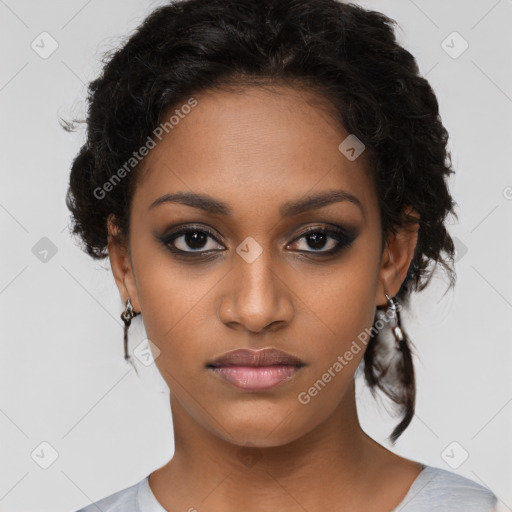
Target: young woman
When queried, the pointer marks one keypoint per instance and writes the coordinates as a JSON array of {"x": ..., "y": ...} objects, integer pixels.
[{"x": 269, "y": 182}]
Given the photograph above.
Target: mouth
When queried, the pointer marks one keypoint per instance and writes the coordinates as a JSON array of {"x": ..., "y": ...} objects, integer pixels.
[{"x": 255, "y": 371}]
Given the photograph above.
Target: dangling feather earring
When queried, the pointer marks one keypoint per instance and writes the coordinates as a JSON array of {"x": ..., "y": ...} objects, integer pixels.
[
  {"x": 395, "y": 327},
  {"x": 127, "y": 316}
]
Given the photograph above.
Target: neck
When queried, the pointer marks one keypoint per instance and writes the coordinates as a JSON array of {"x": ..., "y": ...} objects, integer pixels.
[{"x": 208, "y": 471}]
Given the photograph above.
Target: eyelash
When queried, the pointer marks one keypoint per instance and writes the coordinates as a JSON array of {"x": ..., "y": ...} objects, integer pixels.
[{"x": 344, "y": 238}]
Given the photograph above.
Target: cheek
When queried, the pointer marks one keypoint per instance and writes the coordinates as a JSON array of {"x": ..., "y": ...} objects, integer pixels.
[
  {"x": 167, "y": 290},
  {"x": 344, "y": 300},
  {"x": 347, "y": 311},
  {"x": 349, "y": 308},
  {"x": 178, "y": 312}
]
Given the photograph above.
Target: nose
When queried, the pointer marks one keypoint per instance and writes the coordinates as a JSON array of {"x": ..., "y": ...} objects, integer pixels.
[{"x": 256, "y": 297}]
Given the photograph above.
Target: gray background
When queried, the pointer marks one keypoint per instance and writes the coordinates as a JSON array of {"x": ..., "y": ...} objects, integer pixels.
[{"x": 63, "y": 379}]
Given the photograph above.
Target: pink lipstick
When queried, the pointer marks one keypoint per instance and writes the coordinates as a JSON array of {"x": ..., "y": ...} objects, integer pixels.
[{"x": 259, "y": 370}]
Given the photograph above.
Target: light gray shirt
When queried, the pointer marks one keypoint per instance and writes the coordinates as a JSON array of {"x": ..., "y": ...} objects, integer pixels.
[{"x": 433, "y": 490}]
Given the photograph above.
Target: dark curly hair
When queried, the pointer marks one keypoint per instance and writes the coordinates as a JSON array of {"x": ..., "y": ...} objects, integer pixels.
[{"x": 348, "y": 55}]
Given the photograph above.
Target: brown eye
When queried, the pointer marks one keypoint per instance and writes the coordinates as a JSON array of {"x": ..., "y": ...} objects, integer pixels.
[
  {"x": 325, "y": 241},
  {"x": 319, "y": 240},
  {"x": 192, "y": 240}
]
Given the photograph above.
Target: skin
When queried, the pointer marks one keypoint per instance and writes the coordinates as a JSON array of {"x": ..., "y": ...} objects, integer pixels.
[{"x": 256, "y": 151}]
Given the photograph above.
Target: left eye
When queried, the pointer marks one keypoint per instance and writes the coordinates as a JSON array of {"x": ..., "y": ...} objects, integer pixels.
[{"x": 320, "y": 240}]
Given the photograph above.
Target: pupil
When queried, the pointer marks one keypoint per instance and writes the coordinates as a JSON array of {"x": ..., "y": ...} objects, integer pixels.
[
  {"x": 317, "y": 240},
  {"x": 195, "y": 240}
]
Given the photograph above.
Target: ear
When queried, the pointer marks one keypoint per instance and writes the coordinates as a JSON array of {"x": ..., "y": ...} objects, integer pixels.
[
  {"x": 396, "y": 258},
  {"x": 121, "y": 265}
]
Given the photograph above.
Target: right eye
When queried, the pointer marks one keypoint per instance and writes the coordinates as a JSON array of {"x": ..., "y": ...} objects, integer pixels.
[{"x": 192, "y": 241}]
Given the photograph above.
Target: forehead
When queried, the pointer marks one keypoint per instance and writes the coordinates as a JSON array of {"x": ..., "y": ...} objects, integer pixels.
[{"x": 262, "y": 144}]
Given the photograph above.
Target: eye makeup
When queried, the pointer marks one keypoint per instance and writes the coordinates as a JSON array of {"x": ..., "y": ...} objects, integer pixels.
[{"x": 199, "y": 242}]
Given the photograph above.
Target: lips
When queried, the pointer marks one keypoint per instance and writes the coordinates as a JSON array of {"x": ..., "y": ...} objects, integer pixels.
[
  {"x": 256, "y": 370},
  {"x": 256, "y": 358}
]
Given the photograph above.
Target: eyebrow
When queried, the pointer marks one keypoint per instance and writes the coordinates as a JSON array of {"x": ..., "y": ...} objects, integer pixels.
[{"x": 288, "y": 209}]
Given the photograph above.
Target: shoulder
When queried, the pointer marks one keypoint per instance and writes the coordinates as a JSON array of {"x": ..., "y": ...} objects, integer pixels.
[
  {"x": 125, "y": 500},
  {"x": 437, "y": 489}
]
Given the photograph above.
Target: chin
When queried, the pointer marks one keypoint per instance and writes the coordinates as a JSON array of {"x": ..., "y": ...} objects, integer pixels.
[{"x": 262, "y": 430}]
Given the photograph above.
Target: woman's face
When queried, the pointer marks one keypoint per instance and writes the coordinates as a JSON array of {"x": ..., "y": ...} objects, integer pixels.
[{"x": 264, "y": 283}]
